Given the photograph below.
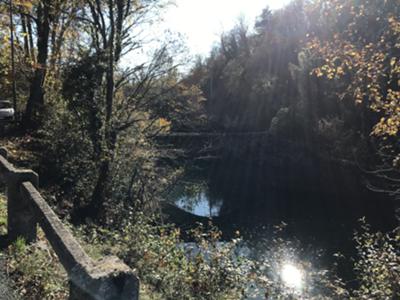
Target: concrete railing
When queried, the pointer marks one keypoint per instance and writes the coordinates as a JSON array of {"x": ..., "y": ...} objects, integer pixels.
[{"x": 108, "y": 278}]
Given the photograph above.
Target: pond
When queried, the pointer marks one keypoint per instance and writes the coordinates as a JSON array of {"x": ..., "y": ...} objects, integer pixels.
[{"x": 319, "y": 207}]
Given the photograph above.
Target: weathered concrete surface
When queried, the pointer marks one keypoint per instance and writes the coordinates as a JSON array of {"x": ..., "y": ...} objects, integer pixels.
[
  {"x": 20, "y": 218},
  {"x": 107, "y": 279},
  {"x": 6, "y": 290},
  {"x": 68, "y": 250}
]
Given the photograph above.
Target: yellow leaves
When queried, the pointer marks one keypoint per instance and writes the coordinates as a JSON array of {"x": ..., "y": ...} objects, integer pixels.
[
  {"x": 317, "y": 72},
  {"x": 339, "y": 71},
  {"x": 6, "y": 39},
  {"x": 370, "y": 70},
  {"x": 27, "y": 4},
  {"x": 359, "y": 100},
  {"x": 394, "y": 24},
  {"x": 330, "y": 72},
  {"x": 387, "y": 127},
  {"x": 164, "y": 124},
  {"x": 358, "y": 96},
  {"x": 390, "y": 106},
  {"x": 353, "y": 53}
]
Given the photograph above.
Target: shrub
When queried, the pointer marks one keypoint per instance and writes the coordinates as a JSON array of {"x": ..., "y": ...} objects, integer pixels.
[
  {"x": 378, "y": 266},
  {"x": 36, "y": 271},
  {"x": 209, "y": 269},
  {"x": 66, "y": 155}
]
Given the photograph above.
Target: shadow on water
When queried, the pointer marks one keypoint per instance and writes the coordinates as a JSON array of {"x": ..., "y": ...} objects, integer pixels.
[{"x": 320, "y": 202}]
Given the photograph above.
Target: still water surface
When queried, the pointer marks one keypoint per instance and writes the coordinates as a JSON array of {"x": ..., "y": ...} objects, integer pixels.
[{"x": 319, "y": 205}]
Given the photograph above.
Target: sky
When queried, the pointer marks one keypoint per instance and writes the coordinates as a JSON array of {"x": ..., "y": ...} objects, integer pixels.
[{"x": 202, "y": 21}]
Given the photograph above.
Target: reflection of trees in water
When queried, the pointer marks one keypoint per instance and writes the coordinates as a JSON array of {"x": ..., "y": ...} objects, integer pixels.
[
  {"x": 322, "y": 202},
  {"x": 321, "y": 205},
  {"x": 193, "y": 195},
  {"x": 322, "y": 193}
]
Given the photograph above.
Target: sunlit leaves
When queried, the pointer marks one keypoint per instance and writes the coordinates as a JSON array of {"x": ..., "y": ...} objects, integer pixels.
[
  {"x": 369, "y": 70},
  {"x": 164, "y": 124},
  {"x": 378, "y": 264},
  {"x": 25, "y": 4}
]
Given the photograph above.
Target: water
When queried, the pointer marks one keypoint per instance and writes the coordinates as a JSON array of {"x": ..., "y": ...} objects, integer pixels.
[
  {"x": 319, "y": 205},
  {"x": 253, "y": 195},
  {"x": 200, "y": 204}
]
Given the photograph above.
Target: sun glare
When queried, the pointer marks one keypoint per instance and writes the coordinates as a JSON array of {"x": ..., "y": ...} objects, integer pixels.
[
  {"x": 292, "y": 276},
  {"x": 202, "y": 22}
]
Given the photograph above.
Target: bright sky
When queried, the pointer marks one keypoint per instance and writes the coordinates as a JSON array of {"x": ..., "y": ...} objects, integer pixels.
[{"x": 202, "y": 21}]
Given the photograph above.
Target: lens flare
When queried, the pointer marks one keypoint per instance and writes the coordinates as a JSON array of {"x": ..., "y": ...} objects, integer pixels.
[{"x": 292, "y": 276}]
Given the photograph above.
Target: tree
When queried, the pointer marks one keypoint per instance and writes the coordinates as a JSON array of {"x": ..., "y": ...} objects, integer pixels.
[
  {"x": 363, "y": 56},
  {"x": 42, "y": 27},
  {"x": 35, "y": 104},
  {"x": 112, "y": 100}
]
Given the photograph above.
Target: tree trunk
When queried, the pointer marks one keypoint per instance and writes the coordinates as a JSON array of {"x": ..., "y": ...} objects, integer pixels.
[
  {"x": 30, "y": 35},
  {"x": 35, "y": 104},
  {"x": 26, "y": 41},
  {"x": 96, "y": 207},
  {"x": 101, "y": 192}
]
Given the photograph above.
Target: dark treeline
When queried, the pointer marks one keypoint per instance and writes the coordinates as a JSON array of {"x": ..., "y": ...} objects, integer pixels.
[{"x": 275, "y": 77}]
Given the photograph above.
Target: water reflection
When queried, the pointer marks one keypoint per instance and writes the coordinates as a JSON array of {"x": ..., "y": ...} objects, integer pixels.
[
  {"x": 193, "y": 195},
  {"x": 292, "y": 276},
  {"x": 321, "y": 205},
  {"x": 200, "y": 204}
]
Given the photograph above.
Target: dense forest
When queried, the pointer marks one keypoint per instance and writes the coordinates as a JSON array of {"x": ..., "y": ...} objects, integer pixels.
[{"x": 98, "y": 102}]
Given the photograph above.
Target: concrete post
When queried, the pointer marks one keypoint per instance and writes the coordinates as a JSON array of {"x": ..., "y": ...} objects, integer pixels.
[
  {"x": 108, "y": 279},
  {"x": 21, "y": 217},
  {"x": 4, "y": 153}
]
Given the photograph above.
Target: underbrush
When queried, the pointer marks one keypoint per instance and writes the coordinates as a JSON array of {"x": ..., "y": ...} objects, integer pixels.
[
  {"x": 36, "y": 270},
  {"x": 206, "y": 268},
  {"x": 211, "y": 269},
  {"x": 165, "y": 268},
  {"x": 378, "y": 266}
]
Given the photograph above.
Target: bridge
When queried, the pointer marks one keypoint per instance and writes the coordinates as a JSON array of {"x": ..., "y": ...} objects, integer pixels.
[{"x": 259, "y": 146}]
